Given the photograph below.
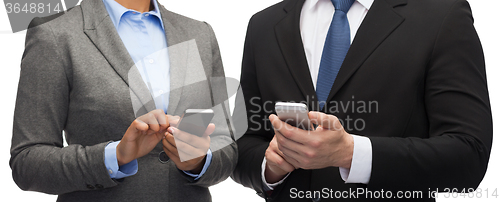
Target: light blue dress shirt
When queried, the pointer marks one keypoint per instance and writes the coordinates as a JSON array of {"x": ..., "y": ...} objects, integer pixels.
[{"x": 144, "y": 37}]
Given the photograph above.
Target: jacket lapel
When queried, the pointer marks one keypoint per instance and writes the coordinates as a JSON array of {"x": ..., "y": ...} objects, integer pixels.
[
  {"x": 290, "y": 42},
  {"x": 100, "y": 30},
  {"x": 378, "y": 24},
  {"x": 177, "y": 56}
]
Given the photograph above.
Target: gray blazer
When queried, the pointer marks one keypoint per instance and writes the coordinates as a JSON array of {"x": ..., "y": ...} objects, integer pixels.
[{"x": 76, "y": 78}]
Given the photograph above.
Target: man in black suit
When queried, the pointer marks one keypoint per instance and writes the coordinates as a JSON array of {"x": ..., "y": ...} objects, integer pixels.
[{"x": 408, "y": 113}]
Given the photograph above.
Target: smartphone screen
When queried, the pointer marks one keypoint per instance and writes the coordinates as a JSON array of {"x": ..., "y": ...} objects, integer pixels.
[{"x": 195, "y": 121}]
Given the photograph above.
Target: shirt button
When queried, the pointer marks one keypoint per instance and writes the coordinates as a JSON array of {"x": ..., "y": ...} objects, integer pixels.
[
  {"x": 147, "y": 14},
  {"x": 161, "y": 92},
  {"x": 110, "y": 171},
  {"x": 151, "y": 61}
]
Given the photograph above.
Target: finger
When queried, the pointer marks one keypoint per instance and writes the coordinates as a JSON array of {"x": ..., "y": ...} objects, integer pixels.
[
  {"x": 276, "y": 147},
  {"x": 187, "y": 156},
  {"x": 173, "y": 120},
  {"x": 210, "y": 129},
  {"x": 279, "y": 161},
  {"x": 190, "y": 151},
  {"x": 176, "y": 159},
  {"x": 295, "y": 164},
  {"x": 288, "y": 131},
  {"x": 187, "y": 148},
  {"x": 183, "y": 155},
  {"x": 161, "y": 119},
  {"x": 282, "y": 141},
  {"x": 160, "y": 136},
  {"x": 328, "y": 122},
  {"x": 140, "y": 125},
  {"x": 173, "y": 156},
  {"x": 288, "y": 145},
  {"x": 151, "y": 120},
  {"x": 181, "y": 135},
  {"x": 169, "y": 147},
  {"x": 164, "y": 123},
  {"x": 191, "y": 139},
  {"x": 278, "y": 124},
  {"x": 292, "y": 157},
  {"x": 170, "y": 139}
]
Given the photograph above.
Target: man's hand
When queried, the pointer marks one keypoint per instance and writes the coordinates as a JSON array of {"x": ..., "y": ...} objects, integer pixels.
[
  {"x": 187, "y": 151},
  {"x": 142, "y": 136},
  {"x": 329, "y": 145},
  {"x": 276, "y": 166}
]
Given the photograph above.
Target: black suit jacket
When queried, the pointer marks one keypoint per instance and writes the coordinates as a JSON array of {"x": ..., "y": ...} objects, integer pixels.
[{"x": 418, "y": 69}]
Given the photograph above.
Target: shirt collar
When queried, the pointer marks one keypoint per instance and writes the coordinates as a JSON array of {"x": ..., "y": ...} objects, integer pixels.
[
  {"x": 116, "y": 11},
  {"x": 365, "y": 3}
]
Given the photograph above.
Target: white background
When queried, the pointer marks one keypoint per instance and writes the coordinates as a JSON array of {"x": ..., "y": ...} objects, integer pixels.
[{"x": 229, "y": 19}]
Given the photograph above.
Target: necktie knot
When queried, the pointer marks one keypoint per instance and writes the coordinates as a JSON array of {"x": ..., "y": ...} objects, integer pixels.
[{"x": 342, "y": 5}]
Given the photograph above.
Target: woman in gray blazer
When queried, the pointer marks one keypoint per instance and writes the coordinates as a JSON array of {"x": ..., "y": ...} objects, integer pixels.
[{"x": 88, "y": 73}]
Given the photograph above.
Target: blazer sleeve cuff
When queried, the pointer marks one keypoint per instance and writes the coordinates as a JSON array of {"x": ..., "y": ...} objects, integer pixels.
[{"x": 208, "y": 160}]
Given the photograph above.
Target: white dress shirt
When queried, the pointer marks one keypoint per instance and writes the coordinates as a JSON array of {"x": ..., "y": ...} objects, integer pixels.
[{"x": 315, "y": 19}]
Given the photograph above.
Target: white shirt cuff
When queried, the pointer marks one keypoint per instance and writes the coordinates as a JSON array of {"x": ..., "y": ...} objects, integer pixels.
[
  {"x": 361, "y": 165},
  {"x": 267, "y": 186}
]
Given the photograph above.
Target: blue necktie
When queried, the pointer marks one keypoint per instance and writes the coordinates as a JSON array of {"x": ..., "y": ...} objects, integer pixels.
[{"x": 337, "y": 43}]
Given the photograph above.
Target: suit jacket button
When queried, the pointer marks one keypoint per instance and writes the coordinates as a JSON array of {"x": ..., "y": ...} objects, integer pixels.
[
  {"x": 90, "y": 186},
  {"x": 316, "y": 199},
  {"x": 98, "y": 186},
  {"x": 162, "y": 157}
]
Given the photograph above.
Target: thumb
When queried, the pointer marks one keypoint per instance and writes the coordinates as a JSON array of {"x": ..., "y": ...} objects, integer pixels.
[
  {"x": 328, "y": 122},
  {"x": 210, "y": 129}
]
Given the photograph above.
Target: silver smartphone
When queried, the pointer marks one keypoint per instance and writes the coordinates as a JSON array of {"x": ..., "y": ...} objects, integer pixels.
[
  {"x": 295, "y": 114},
  {"x": 195, "y": 121}
]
